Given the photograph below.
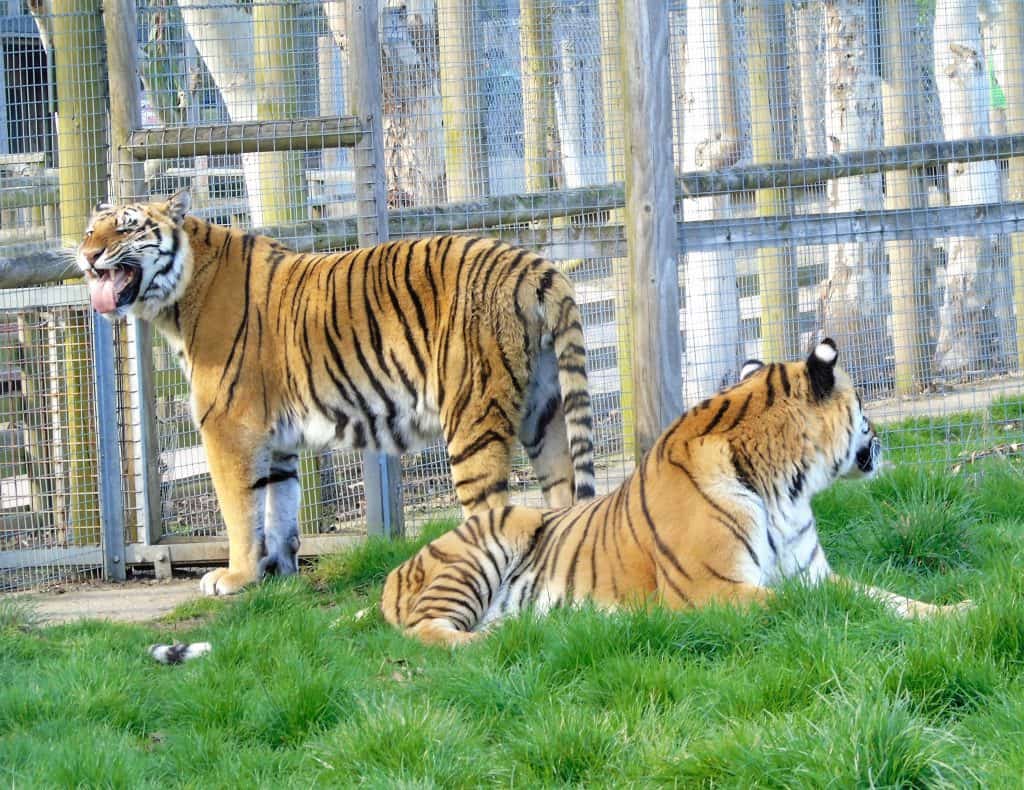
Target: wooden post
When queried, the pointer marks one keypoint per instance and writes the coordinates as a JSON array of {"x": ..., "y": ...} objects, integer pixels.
[
  {"x": 650, "y": 217},
  {"x": 611, "y": 90},
  {"x": 772, "y": 140},
  {"x": 81, "y": 141},
  {"x": 1013, "y": 31},
  {"x": 464, "y": 140},
  {"x": 127, "y": 184},
  {"x": 905, "y": 189},
  {"x": 382, "y": 474}
]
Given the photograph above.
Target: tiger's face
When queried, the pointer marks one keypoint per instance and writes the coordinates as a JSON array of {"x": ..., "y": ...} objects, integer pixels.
[
  {"x": 135, "y": 258},
  {"x": 845, "y": 432}
]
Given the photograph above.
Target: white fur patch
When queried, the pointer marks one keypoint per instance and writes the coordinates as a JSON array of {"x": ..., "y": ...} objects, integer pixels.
[
  {"x": 178, "y": 653},
  {"x": 825, "y": 353}
]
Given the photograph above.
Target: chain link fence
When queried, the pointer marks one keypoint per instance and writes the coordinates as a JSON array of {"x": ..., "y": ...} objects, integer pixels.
[{"x": 850, "y": 168}]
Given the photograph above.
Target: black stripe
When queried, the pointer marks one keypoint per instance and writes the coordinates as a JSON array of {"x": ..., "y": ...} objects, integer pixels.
[{"x": 276, "y": 476}]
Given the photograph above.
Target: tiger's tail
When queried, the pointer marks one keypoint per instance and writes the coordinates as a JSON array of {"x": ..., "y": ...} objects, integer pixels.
[
  {"x": 402, "y": 586},
  {"x": 562, "y": 321}
]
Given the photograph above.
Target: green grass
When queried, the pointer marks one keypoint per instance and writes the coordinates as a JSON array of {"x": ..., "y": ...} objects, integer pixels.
[{"x": 821, "y": 688}]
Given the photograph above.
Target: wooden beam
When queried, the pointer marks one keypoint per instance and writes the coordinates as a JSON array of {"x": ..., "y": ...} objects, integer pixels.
[
  {"x": 609, "y": 241},
  {"x": 249, "y": 137}
]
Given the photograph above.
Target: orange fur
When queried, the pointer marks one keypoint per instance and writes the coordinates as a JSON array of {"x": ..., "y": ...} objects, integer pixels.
[
  {"x": 718, "y": 510},
  {"x": 381, "y": 348}
]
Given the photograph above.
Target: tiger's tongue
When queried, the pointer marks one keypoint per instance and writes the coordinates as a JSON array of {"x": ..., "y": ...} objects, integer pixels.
[{"x": 103, "y": 291}]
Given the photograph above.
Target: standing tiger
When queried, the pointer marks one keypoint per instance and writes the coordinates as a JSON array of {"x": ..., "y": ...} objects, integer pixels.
[
  {"x": 381, "y": 348},
  {"x": 719, "y": 509}
]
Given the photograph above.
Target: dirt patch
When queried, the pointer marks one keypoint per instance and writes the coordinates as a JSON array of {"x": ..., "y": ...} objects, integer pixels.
[{"x": 131, "y": 602}]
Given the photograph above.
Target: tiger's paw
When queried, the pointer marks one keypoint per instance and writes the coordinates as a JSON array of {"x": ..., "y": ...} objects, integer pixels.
[
  {"x": 222, "y": 581},
  {"x": 282, "y": 557}
]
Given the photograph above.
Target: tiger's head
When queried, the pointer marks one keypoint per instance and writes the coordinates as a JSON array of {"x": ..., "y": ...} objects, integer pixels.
[
  {"x": 136, "y": 257},
  {"x": 818, "y": 387}
]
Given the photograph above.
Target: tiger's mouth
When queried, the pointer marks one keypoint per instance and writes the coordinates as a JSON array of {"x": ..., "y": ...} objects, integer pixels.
[
  {"x": 113, "y": 288},
  {"x": 869, "y": 457}
]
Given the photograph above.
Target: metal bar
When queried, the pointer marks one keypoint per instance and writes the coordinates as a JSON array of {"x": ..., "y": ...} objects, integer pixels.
[
  {"x": 245, "y": 138},
  {"x": 382, "y": 474},
  {"x": 108, "y": 447},
  {"x": 148, "y": 472}
]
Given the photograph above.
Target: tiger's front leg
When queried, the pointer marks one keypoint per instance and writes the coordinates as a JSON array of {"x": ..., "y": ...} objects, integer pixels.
[
  {"x": 237, "y": 466},
  {"x": 281, "y": 526}
]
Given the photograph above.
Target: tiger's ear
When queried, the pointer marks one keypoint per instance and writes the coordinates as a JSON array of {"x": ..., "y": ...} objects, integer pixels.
[
  {"x": 178, "y": 205},
  {"x": 750, "y": 367},
  {"x": 821, "y": 368}
]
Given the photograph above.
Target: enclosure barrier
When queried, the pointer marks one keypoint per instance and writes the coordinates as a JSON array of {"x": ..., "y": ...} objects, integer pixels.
[{"x": 722, "y": 180}]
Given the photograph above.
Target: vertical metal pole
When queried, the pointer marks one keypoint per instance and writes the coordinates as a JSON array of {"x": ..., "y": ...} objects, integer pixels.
[
  {"x": 127, "y": 184},
  {"x": 382, "y": 474},
  {"x": 109, "y": 447},
  {"x": 650, "y": 217}
]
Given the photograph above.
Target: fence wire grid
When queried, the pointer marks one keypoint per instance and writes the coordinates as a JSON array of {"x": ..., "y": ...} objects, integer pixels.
[{"x": 843, "y": 168}]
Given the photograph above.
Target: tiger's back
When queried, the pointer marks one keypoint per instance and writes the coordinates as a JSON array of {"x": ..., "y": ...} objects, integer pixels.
[{"x": 381, "y": 348}]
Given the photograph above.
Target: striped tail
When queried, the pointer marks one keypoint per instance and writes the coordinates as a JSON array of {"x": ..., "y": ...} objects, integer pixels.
[{"x": 563, "y": 322}]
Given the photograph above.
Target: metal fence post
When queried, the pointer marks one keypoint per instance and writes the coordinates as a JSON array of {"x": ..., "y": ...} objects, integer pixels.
[
  {"x": 382, "y": 474},
  {"x": 650, "y": 217},
  {"x": 109, "y": 448}
]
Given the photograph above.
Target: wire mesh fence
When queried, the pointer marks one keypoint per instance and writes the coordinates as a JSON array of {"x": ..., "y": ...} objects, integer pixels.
[{"x": 850, "y": 168}]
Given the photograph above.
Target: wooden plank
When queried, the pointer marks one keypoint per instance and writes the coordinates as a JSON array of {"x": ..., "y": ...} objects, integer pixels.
[
  {"x": 608, "y": 241},
  {"x": 177, "y": 551},
  {"x": 309, "y": 134},
  {"x": 649, "y": 219}
]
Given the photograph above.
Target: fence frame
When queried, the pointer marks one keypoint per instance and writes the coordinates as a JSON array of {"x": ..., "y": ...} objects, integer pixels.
[{"x": 651, "y": 249}]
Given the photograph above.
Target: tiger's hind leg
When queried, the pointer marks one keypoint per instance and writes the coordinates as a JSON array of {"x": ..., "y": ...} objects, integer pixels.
[
  {"x": 543, "y": 434},
  {"x": 480, "y": 455},
  {"x": 281, "y": 533}
]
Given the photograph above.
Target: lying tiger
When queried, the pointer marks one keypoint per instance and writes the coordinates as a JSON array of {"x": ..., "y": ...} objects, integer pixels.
[
  {"x": 719, "y": 509},
  {"x": 382, "y": 348}
]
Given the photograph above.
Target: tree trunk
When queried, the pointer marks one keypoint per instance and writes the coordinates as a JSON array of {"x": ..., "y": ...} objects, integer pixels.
[
  {"x": 611, "y": 98},
  {"x": 281, "y": 183},
  {"x": 969, "y": 337},
  {"x": 413, "y": 135},
  {"x": 909, "y": 269},
  {"x": 1013, "y": 27},
  {"x": 82, "y": 148},
  {"x": 465, "y": 139},
  {"x": 773, "y": 140},
  {"x": 710, "y": 142},
  {"x": 852, "y": 302},
  {"x": 224, "y": 36}
]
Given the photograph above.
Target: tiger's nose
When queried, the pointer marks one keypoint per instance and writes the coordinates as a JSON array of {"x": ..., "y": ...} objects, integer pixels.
[{"x": 91, "y": 256}]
